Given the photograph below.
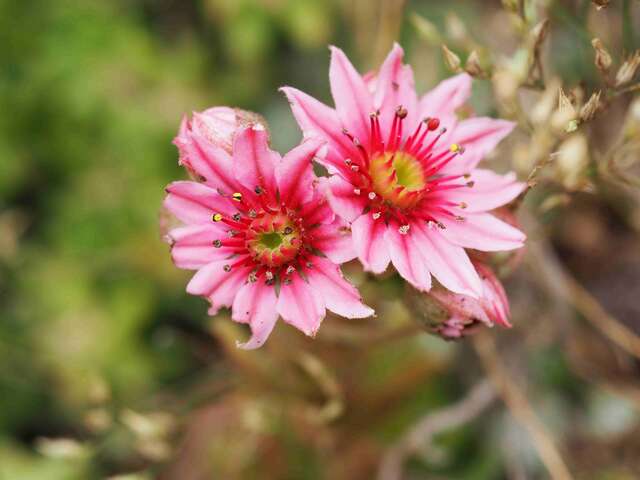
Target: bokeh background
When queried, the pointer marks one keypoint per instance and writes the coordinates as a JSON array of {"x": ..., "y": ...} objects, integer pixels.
[{"x": 109, "y": 370}]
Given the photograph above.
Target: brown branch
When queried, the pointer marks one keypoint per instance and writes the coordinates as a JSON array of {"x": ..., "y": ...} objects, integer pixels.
[
  {"x": 422, "y": 433},
  {"x": 519, "y": 407}
]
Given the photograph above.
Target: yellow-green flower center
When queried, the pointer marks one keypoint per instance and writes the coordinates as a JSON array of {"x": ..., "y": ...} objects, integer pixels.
[
  {"x": 273, "y": 239},
  {"x": 398, "y": 178}
]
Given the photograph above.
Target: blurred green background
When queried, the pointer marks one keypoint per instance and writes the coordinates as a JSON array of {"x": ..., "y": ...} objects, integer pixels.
[{"x": 95, "y": 325}]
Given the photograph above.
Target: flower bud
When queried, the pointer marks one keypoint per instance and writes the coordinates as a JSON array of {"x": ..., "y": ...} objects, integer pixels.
[
  {"x": 603, "y": 58},
  {"x": 216, "y": 127},
  {"x": 451, "y": 59},
  {"x": 628, "y": 69},
  {"x": 453, "y": 316}
]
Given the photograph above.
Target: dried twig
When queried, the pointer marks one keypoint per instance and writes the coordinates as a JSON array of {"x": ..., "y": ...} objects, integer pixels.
[
  {"x": 422, "y": 433},
  {"x": 520, "y": 408}
]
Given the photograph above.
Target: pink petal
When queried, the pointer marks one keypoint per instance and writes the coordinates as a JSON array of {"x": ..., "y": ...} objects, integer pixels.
[
  {"x": 317, "y": 120},
  {"x": 478, "y": 136},
  {"x": 369, "y": 241},
  {"x": 489, "y": 191},
  {"x": 407, "y": 258},
  {"x": 449, "y": 263},
  {"x": 294, "y": 174},
  {"x": 219, "y": 286},
  {"x": 339, "y": 295},
  {"x": 481, "y": 231},
  {"x": 300, "y": 305},
  {"x": 255, "y": 304},
  {"x": 205, "y": 159},
  {"x": 193, "y": 202},
  {"x": 394, "y": 87},
  {"x": 334, "y": 240},
  {"x": 253, "y": 162},
  {"x": 192, "y": 245},
  {"x": 218, "y": 125},
  {"x": 353, "y": 100},
  {"x": 446, "y": 98},
  {"x": 342, "y": 198}
]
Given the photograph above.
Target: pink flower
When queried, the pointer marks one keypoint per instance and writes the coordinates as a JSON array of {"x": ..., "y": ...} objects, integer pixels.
[
  {"x": 465, "y": 314},
  {"x": 259, "y": 233},
  {"x": 403, "y": 172}
]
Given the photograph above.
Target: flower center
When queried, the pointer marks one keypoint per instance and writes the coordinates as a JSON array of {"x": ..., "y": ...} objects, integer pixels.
[
  {"x": 398, "y": 178},
  {"x": 273, "y": 239}
]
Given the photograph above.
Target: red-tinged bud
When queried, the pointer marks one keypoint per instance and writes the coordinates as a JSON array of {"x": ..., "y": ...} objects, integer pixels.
[{"x": 453, "y": 316}]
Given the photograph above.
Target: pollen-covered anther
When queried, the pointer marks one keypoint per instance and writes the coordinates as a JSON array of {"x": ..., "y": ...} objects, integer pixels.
[
  {"x": 268, "y": 275},
  {"x": 216, "y": 217},
  {"x": 253, "y": 277},
  {"x": 290, "y": 269},
  {"x": 462, "y": 205},
  {"x": 355, "y": 168},
  {"x": 404, "y": 229},
  {"x": 454, "y": 148},
  {"x": 237, "y": 196},
  {"x": 376, "y": 215}
]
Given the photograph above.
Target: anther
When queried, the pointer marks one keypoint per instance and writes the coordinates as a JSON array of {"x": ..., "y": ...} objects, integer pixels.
[
  {"x": 253, "y": 277},
  {"x": 258, "y": 190},
  {"x": 372, "y": 195},
  {"x": 288, "y": 230},
  {"x": 459, "y": 218},
  {"x": 443, "y": 130},
  {"x": 463, "y": 205},
  {"x": 404, "y": 229},
  {"x": 348, "y": 161},
  {"x": 237, "y": 196},
  {"x": 236, "y": 217},
  {"x": 287, "y": 281},
  {"x": 401, "y": 112},
  {"x": 309, "y": 265},
  {"x": 252, "y": 213},
  {"x": 355, "y": 168},
  {"x": 290, "y": 269},
  {"x": 217, "y": 243},
  {"x": 216, "y": 217},
  {"x": 269, "y": 275},
  {"x": 454, "y": 148},
  {"x": 471, "y": 183},
  {"x": 227, "y": 268},
  {"x": 233, "y": 233},
  {"x": 356, "y": 191},
  {"x": 432, "y": 123},
  {"x": 376, "y": 215}
]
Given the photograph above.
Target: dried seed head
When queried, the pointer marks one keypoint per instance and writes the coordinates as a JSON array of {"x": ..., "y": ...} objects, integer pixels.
[
  {"x": 472, "y": 67},
  {"x": 589, "y": 109},
  {"x": 451, "y": 59},
  {"x": 628, "y": 69}
]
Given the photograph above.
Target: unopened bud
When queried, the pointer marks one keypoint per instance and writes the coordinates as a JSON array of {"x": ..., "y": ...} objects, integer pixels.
[
  {"x": 451, "y": 60},
  {"x": 572, "y": 161},
  {"x": 628, "y": 69},
  {"x": 603, "y": 58},
  {"x": 472, "y": 67}
]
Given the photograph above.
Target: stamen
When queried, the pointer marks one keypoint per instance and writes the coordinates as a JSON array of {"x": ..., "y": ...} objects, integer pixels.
[
  {"x": 404, "y": 229},
  {"x": 376, "y": 215},
  {"x": 372, "y": 195},
  {"x": 237, "y": 196},
  {"x": 356, "y": 191},
  {"x": 227, "y": 268},
  {"x": 290, "y": 269},
  {"x": 216, "y": 217}
]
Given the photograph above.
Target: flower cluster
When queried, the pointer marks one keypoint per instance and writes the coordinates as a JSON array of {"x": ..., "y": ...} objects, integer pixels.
[{"x": 267, "y": 237}]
